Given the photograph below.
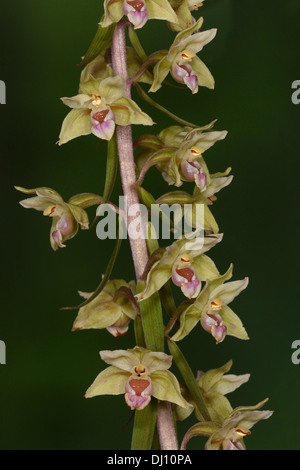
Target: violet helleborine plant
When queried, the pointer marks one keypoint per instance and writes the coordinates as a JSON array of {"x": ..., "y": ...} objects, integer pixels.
[{"x": 104, "y": 107}]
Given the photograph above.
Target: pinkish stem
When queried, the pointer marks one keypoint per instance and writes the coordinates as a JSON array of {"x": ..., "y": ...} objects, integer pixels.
[
  {"x": 165, "y": 424},
  {"x": 125, "y": 150}
]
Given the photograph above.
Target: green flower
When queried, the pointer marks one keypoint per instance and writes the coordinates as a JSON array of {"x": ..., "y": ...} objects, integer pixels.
[
  {"x": 181, "y": 150},
  {"x": 98, "y": 107},
  {"x": 108, "y": 310},
  {"x": 214, "y": 385},
  {"x": 138, "y": 12},
  {"x": 183, "y": 63},
  {"x": 211, "y": 309},
  {"x": 236, "y": 427},
  {"x": 139, "y": 374},
  {"x": 230, "y": 434},
  {"x": 66, "y": 216},
  {"x": 185, "y": 262}
]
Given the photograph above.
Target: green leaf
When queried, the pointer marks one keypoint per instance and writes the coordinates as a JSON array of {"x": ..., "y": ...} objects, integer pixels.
[
  {"x": 153, "y": 326},
  {"x": 100, "y": 42},
  {"x": 144, "y": 426},
  {"x": 189, "y": 379}
]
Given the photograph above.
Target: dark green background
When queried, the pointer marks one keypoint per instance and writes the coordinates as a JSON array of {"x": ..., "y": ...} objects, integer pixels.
[{"x": 254, "y": 59}]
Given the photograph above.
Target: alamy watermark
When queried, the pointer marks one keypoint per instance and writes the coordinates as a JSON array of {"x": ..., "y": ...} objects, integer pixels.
[
  {"x": 296, "y": 354},
  {"x": 2, "y": 92},
  {"x": 296, "y": 95},
  {"x": 2, "y": 352},
  {"x": 160, "y": 221}
]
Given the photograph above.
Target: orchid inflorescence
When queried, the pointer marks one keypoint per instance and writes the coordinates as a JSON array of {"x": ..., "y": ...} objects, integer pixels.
[{"x": 104, "y": 107}]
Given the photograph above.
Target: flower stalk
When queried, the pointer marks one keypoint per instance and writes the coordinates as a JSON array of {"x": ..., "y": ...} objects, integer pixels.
[
  {"x": 165, "y": 423},
  {"x": 125, "y": 148}
]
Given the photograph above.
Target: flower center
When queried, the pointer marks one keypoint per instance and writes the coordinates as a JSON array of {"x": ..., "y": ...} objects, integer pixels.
[
  {"x": 139, "y": 370},
  {"x": 187, "y": 54},
  {"x": 196, "y": 151},
  {"x": 49, "y": 210},
  {"x": 185, "y": 258},
  {"x": 216, "y": 304},
  {"x": 242, "y": 432},
  {"x": 97, "y": 100}
]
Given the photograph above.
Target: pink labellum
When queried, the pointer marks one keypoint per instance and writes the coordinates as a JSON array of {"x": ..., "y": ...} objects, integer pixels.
[
  {"x": 136, "y": 12},
  {"x": 138, "y": 392}
]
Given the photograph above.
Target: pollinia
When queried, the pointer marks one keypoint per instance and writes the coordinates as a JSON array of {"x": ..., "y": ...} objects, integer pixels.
[{"x": 114, "y": 63}]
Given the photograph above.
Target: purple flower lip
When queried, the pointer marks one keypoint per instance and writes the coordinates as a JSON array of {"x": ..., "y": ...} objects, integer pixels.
[
  {"x": 103, "y": 123},
  {"x": 136, "y": 12},
  {"x": 186, "y": 279},
  {"x": 184, "y": 74},
  {"x": 213, "y": 323},
  {"x": 138, "y": 392},
  {"x": 192, "y": 171}
]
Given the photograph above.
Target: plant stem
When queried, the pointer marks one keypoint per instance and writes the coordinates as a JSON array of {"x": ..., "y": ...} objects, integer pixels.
[
  {"x": 165, "y": 427},
  {"x": 165, "y": 422},
  {"x": 125, "y": 149}
]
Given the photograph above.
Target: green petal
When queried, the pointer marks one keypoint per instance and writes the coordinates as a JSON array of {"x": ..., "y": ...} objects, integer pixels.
[
  {"x": 37, "y": 203},
  {"x": 216, "y": 184},
  {"x": 197, "y": 41},
  {"x": 230, "y": 290},
  {"x": 180, "y": 37},
  {"x": 166, "y": 388},
  {"x": 77, "y": 102},
  {"x": 203, "y": 74},
  {"x": 112, "y": 88},
  {"x": 213, "y": 376},
  {"x": 113, "y": 12},
  {"x": 110, "y": 381},
  {"x": 80, "y": 216},
  {"x": 161, "y": 70},
  {"x": 161, "y": 10},
  {"x": 75, "y": 124},
  {"x": 219, "y": 407},
  {"x": 97, "y": 316},
  {"x": 233, "y": 323},
  {"x": 128, "y": 112},
  {"x": 205, "y": 268},
  {"x": 125, "y": 360},
  {"x": 154, "y": 361},
  {"x": 230, "y": 382}
]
